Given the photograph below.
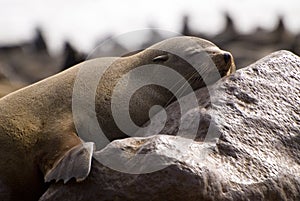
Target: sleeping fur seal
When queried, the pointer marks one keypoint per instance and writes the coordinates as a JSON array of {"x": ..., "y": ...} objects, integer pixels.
[{"x": 38, "y": 139}]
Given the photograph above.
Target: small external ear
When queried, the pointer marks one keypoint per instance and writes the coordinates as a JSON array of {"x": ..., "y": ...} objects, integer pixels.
[{"x": 161, "y": 58}]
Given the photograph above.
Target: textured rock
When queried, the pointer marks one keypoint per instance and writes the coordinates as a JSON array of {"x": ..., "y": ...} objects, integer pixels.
[{"x": 251, "y": 152}]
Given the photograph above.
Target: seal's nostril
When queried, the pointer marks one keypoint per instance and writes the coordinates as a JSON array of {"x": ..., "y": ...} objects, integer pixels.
[{"x": 227, "y": 57}]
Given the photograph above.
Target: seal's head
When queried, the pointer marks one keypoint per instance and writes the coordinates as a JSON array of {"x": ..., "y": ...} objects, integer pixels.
[
  {"x": 200, "y": 61},
  {"x": 157, "y": 75}
]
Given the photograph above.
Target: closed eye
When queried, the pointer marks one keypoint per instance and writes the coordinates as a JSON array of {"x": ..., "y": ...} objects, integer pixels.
[{"x": 161, "y": 58}]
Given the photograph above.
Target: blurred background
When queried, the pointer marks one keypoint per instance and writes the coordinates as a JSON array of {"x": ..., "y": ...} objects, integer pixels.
[{"x": 39, "y": 38}]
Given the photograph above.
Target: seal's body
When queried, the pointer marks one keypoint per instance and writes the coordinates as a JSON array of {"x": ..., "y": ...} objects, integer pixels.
[
  {"x": 36, "y": 132},
  {"x": 38, "y": 139}
]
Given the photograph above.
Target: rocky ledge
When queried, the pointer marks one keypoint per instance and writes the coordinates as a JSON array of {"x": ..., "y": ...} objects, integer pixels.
[{"x": 247, "y": 146}]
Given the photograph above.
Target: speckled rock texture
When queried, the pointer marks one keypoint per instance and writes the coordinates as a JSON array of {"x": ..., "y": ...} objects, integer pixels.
[{"x": 247, "y": 146}]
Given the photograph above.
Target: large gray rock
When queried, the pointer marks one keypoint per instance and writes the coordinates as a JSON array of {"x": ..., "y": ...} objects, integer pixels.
[{"x": 251, "y": 150}]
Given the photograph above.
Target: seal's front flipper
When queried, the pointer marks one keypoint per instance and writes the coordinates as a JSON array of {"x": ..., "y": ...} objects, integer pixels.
[{"x": 76, "y": 163}]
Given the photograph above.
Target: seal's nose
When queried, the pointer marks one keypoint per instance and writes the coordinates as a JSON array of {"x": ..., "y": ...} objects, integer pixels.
[{"x": 227, "y": 57}]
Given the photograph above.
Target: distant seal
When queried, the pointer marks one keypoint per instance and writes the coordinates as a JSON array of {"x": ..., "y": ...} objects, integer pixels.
[
  {"x": 38, "y": 139},
  {"x": 6, "y": 85}
]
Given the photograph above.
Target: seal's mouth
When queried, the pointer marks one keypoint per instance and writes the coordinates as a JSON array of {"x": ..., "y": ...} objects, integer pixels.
[{"x": 229, "y": 69}]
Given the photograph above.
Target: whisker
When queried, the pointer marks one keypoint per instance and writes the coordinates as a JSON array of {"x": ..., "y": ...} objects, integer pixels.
[
  {"x": 184, "y": 86},
  {"x": 182, "y": 89},
  {"x": 178, "y": 83}
]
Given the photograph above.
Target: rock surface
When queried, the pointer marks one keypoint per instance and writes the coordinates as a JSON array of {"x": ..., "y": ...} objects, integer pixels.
[{"x": 251, "y": 150}]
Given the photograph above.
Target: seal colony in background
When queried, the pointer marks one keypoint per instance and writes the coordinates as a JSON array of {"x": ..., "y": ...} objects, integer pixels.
[{"x": 38, "y": 139}]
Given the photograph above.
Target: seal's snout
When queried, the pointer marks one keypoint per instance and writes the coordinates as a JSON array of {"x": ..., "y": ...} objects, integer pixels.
[{"x": 227, "y": 57}]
